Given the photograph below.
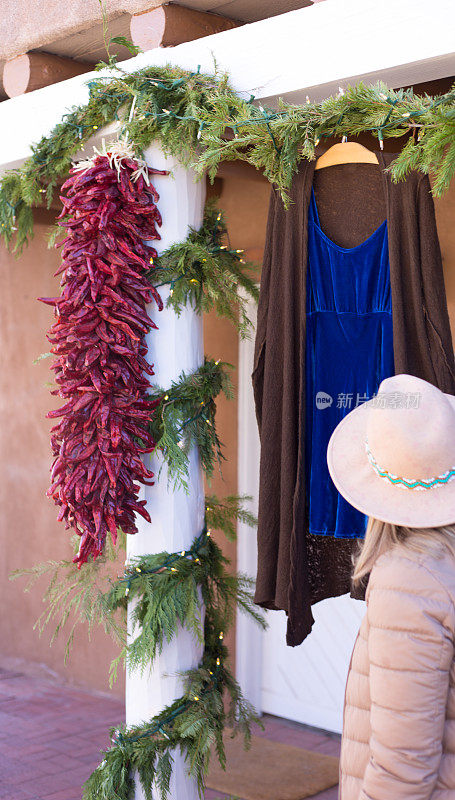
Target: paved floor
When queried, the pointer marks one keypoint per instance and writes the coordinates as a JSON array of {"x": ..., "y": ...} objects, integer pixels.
[{"x": 51, "y": 735}]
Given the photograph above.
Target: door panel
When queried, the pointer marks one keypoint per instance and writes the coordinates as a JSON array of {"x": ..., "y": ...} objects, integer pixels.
[{"x": 306, "y": 683}]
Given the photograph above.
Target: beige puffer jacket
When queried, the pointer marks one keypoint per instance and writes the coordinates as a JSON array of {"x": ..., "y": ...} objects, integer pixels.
[{"x": 399, "y": 719}]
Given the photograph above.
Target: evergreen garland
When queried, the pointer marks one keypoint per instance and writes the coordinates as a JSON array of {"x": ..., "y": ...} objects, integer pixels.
[
  {"x": 73, "y": 597},
  {"x": 275, "y": 141},
  {"x": 167, "y": 590},
  {"x": 185, "y": 416},
  {"x": 206, "y": 272},
  {"x": 199, "y": 119},
  {"x": 193, "y": 723}
]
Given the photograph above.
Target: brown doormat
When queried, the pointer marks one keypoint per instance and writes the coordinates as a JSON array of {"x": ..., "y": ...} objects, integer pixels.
[{"x": 271, "y": 771}]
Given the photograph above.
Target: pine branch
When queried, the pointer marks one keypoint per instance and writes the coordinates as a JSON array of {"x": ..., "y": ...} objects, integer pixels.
[
  {"x": 73, "y": 597},
  {"x": 186, "y": 417},
  {"x": 204, "y": 272},
  {"x": 222, "y": 515},
  {"x": 165, "y": 590}
]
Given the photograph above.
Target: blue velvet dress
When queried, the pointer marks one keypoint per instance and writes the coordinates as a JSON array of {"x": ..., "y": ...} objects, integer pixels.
[{"x": 349, "y": 351}]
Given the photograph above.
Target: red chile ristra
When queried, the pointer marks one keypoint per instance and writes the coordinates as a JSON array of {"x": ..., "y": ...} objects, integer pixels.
[{"x": 98, "y": 340}]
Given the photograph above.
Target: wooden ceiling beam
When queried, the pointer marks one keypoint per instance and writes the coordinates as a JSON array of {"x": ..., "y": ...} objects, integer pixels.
[
  {"x": 169, "y": 25},
  {"x": 88, "y": 45},
  {"x": 35, "y": 70}
]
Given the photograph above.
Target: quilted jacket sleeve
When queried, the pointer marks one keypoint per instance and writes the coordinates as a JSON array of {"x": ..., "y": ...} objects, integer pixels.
[{"x": 410, "y": 645}]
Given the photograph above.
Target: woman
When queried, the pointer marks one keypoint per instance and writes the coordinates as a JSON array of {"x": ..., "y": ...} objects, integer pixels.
[{"x": 394, "y": 459}]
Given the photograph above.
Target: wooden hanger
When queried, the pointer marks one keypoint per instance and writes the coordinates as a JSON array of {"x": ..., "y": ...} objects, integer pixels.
[{"x": 346, "y": 153}]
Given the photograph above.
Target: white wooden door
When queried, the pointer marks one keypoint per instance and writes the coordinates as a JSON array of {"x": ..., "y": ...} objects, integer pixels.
[{"x": 304, "y": 683}]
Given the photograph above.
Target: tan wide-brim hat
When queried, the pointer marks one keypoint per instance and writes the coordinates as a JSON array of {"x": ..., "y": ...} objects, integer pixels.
[{"x": 393, "y": 458}]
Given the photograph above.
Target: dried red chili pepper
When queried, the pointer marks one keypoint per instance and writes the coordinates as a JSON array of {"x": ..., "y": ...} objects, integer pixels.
[{"x": 98, "y": 340}]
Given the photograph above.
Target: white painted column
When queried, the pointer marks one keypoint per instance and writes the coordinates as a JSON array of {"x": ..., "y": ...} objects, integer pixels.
[{"x": 177, "y": 517}]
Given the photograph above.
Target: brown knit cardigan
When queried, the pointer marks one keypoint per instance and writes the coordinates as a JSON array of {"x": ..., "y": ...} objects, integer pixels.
[{"x": 295, "y": 569}]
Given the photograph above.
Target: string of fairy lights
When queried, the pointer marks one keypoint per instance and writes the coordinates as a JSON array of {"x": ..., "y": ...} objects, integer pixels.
[
  {"x": 209, "y": 116},
  {"x": 168, "y": 563},
  {"x": 265, "y": 116}
]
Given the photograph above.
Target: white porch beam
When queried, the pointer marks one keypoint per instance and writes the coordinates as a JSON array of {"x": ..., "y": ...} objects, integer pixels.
[{"x": 309, "y": 51}]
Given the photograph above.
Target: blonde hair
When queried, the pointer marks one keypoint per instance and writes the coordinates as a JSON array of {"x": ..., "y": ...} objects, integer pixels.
[{"x": 383, "y": 536}]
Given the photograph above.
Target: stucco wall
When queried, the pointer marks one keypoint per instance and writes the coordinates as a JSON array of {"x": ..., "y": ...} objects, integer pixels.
[
  {"x": 245, "y": 204},
  {"x": 29, "y": 533}
]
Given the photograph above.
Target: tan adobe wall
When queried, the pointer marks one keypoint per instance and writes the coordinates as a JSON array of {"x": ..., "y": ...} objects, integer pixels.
[{"x": 29, "y": 532}]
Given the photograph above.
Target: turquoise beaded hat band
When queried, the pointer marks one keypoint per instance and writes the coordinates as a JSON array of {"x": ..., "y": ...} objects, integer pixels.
[{"x": 408, "y": 483}]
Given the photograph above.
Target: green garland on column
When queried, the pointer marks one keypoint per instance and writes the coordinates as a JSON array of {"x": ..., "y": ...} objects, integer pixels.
[
  {"x": 185, "y": 417},
  {"x": 166, "y": 587},
  {"x": 207, "y": 272},
  {"x": 166, "y": 590}
]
